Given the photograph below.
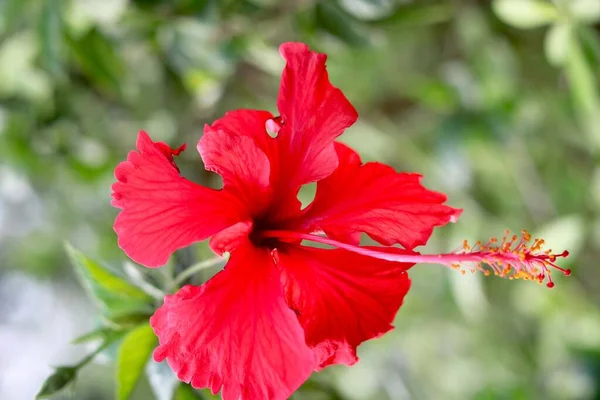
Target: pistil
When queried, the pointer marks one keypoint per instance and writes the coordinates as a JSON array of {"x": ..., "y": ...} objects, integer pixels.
[{"x": 514, "y": 257}]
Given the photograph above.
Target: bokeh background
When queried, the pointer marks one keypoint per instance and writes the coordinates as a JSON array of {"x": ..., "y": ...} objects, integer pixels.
[{"x": 497, "y": 103}]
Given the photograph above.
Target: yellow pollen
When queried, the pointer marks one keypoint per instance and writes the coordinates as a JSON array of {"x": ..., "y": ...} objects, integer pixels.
[{"x": 516, "y": 258}]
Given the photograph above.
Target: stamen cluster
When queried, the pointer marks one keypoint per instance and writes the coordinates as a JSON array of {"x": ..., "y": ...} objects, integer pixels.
[{"x": 515, "y": 257}]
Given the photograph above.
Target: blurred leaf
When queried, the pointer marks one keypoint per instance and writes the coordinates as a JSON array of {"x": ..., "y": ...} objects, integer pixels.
[
  {"x": 333, "y": 19},
  {"x": 129, "y": 320},
  {"x": 58, "y": 381},
  {"x": 368, "y": 9},
  {"x": 590, "y": 42},
  {"x": 50, "y": 33},
  {"x": 557, "y": 42},
  {"x": 584, "y": 89},
  {"x": 418, "y": 15},
  {"x": 98, "y": 60},
  {"x": 186, "y": 392},
  {"x": 525, "y": 13},
  {"x": 12, "y": 12},
  {"x": 134, "y": 353},
  {"x": 114, "y": 294},
  {"x": 586, "y": 11}
]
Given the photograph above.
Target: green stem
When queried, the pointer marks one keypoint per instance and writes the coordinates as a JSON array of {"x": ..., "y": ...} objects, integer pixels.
[
  {"x": 107, "y": 342},
  {"x": 212, "y": 262}
]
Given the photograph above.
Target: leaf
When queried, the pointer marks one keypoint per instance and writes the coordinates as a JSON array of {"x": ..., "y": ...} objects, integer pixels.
[
  {"x": 584, "y": 90},
  {"x": 133, "y": 355},
  {"x": 368, "y": 10},
  {"x": 98, "y": 60},
  {"x": 114, "y": 295},
  {"x": 525, "y": 13},
  {"x": 556, "y": 44},
  {"x": 56, "y": 382},
  {"x": 12, "y": 13},
  {"x": 412, "y": 15},
  {"x": 50, "y": 35},
  {"x": 186, "y": 392},
  {"x": 129, "y": 320},
  {"x": 331, "y": 18},
  {"x": 586, "y": 11}
]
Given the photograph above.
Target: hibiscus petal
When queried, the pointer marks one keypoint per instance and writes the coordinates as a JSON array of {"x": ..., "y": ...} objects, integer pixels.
[
  {"x": 162, "y": 211},
  {"x": 235, "y": 332},
  {"x": 341, "y": 298},
  {"x": 390, "y": 207},
  {"x": 313, "y": 113},
  {"x": 231, "y": 148},
  {"x": 250, "y": 123}
]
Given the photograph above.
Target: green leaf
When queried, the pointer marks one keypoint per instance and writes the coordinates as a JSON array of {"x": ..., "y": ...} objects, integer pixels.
[
  {"x": 525, "y": 13},
  {"x": 114, "y": 295},
  {"x": 586, "y": 11},
  {"x": 58, "y": 381},
  {"x": 186, "y": 392},
  {"x": 129, "y": 320},
  {"x": 584, "y": 89},
  {"x": 556, "y": 44},
  {"x": 333, "y": 19},
  {"x": 50, "y": 34},
  {"x": 412, "y": 15},
  {"x": 12, "y": 13},
  {"x": 133, "y": 355},
  {"x": 99, "y": 60}
]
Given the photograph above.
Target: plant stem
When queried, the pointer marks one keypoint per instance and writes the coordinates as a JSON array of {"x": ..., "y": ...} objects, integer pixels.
[{"x": 212, "y": 262}]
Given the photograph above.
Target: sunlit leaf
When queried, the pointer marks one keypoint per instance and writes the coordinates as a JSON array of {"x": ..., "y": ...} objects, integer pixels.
[
  {"x": 556, "y": 44},
  {"x": 114, "y": 295},
  {"x": 58, "y": 381},
  {"x": 133, "y": 355},
  {"x": 525, "y": 13},
  {"x": 586, "y": 11}
]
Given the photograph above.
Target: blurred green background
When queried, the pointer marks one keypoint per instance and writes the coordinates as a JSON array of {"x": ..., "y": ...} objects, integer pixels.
[{"x": 496, "y": 103}]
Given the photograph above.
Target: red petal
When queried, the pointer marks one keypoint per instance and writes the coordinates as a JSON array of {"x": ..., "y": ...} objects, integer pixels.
[
  {"x": 162, "y": 211},
  {"x": 390, "y": 207},
  {"x": 231, "y": 148},
  {"x": 235, "y": 332},
  {"x": 313, "y": 113},
  {"x": 341, "y": 298}
]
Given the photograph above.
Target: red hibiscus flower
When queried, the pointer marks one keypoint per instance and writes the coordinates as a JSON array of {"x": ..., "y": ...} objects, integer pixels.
[{"x": 281, "y": 309}]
